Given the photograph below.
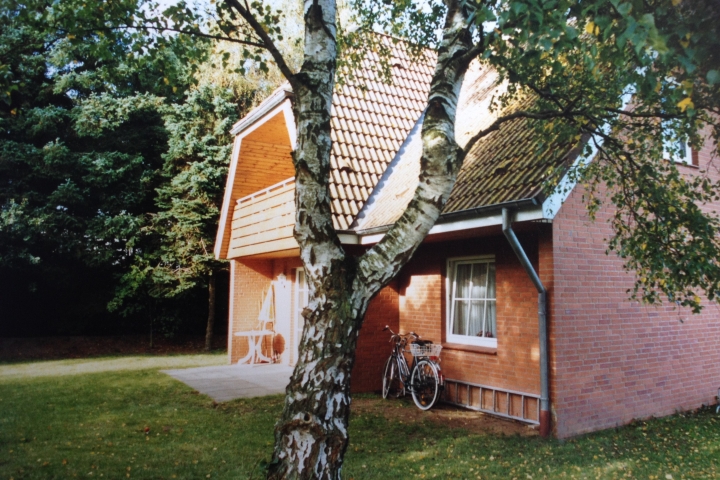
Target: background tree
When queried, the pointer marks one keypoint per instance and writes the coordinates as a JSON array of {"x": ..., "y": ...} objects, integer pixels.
[
  {"x": 176, "y": 258},
  {"x": 80, "y": 154}
]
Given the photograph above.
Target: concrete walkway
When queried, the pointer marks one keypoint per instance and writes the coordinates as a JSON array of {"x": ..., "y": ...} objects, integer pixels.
[{"x": 229, "y": 382}]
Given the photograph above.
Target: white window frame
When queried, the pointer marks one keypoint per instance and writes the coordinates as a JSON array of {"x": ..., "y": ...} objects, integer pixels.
[
  {"x": 450, "y": 302},
  {"x": 686, "y": 156}
]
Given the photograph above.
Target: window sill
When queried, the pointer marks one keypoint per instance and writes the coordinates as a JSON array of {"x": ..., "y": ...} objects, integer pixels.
[
  {"x": 689, "y": 165},
  {"x": 470, "y": 348}
]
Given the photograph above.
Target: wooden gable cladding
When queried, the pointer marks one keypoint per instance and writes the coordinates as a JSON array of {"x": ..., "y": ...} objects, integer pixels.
[
  {"x": 262, "y": 223},
  {"x": 261, "y": 165},
  {"x": 264, "y": 158},
  {"x": 261, "y": 160}
]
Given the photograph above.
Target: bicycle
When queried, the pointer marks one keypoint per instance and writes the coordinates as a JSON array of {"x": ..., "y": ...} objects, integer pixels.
[{"x": 424, "y": 379}]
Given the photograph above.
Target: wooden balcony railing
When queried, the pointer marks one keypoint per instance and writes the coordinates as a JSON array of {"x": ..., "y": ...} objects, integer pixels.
[{"x": 263, "y": 222}]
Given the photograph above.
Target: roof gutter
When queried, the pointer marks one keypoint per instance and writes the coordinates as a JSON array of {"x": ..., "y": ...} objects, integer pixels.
[
  {"x": 542, "y": 321},
  {"x": 485, "y": 209},
  {"x": 460, "y": 214}
]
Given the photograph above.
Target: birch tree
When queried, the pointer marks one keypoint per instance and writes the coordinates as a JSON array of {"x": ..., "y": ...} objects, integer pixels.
[{"x": 578, "y": 61}]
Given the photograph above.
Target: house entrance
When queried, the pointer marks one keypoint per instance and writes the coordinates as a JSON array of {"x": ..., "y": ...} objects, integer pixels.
[{"x": 301, "y": 301}]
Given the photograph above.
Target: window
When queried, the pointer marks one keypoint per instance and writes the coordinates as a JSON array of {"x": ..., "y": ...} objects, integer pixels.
[
  {"x": 676, "y": 149},
  {"x": 471, "y": 301}
]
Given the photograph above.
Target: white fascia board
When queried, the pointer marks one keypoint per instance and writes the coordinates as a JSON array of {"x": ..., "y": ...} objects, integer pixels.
[
  {"x": 285, "y": 107},
  {"x": 227, "y": 197},
  {"x": 251, "y": 119},
  {"x": 551, "y": 205},
  {"x": 349, "y": 238},
  {"x": 240, "y": 132},
  {"x": 526, "y": 215},
  {"x": 495, "y": 219}
]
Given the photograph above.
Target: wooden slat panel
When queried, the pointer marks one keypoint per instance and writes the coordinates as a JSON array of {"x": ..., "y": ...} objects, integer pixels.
[
  {"x": 268, "y": 192},
  {"x": 277, "y": 197},
  {"x": 267, "y": 236},
  {"x": 264, "y": 223},
  {"x": 277, "y": 221},
  {"x": 245, "y": 213},
  {"x": 274, "y": 223},
  {"x": 287, "y": 208},
  {"x": 292, "y": 252},
  {"x": 275, "y": 245}
]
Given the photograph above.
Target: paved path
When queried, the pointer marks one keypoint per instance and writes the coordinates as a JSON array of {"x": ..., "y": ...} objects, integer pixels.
[{"x": 229, "y": 382}]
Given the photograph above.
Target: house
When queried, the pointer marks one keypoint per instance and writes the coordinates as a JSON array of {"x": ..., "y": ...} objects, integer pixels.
[{"x": 474, "y": 283}]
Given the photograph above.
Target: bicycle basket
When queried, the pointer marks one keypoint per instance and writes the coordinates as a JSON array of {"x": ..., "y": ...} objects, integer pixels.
[{"x": 430, "y": 350}]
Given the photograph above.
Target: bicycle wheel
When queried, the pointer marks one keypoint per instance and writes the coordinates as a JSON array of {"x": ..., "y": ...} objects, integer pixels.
[
  {"x": 425, "y": 385},
  {"x": 392, "y": 386}
]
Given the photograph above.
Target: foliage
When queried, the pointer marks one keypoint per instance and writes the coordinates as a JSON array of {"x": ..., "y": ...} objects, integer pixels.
[
  {"x": 64, "y": 425},
  {"x": 175, "y": 244},
  {"x": 80, "y": 149},
  {"x": 174, "y": 258}
]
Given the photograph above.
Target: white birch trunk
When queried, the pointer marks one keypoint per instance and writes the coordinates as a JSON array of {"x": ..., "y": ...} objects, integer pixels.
[{"x": 311, "y": 436}]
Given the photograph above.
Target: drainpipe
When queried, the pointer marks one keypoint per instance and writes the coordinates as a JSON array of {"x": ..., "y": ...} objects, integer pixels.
[{"x": 542, "y": 322}]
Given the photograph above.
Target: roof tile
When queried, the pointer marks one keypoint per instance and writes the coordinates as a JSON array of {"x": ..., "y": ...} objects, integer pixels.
[{"x": 369, "y": 125}]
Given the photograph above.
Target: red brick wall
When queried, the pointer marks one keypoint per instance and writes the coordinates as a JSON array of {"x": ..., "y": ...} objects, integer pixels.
[
  {"x": 250, "y": 282},
  {"x": 515, "y": 364},
  {"x": 615, "y": 360},
  {"x": 373, "y": 346}
]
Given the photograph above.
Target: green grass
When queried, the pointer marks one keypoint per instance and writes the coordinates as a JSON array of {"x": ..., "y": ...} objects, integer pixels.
[{"x": 94, "y": 426}]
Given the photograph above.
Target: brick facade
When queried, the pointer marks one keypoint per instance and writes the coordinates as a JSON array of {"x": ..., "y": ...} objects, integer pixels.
[
  {"x": 373, "y": 346},
  {"x": 515, "y": 363},
  {"x": 614, "y": 360}
]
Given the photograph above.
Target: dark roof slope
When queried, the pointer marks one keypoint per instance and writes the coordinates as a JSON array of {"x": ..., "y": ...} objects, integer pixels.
[{"x": 508, "y": 165}]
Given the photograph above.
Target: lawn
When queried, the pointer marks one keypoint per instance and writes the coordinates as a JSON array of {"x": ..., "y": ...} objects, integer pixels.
[{"x": 144, "y": 424}]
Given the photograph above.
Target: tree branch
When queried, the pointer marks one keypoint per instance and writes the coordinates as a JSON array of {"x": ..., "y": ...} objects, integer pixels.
[
  {"x": 266, "y": 39},
  {"x": 628, "y": 113},
  {"x": 545, "y": 115},
  {"x": 195, "y": 33}
]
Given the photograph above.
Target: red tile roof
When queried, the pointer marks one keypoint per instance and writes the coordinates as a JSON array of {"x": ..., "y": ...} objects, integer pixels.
[{"x": 370, "y": 121}]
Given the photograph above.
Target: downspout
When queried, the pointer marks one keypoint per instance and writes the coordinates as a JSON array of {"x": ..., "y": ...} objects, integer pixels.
[{"x": 542, "y": 322}]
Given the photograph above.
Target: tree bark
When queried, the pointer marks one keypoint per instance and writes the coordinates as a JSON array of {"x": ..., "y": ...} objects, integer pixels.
[
  {"x": 311, "y": 436},
  {"x": 211, "y": 312}
]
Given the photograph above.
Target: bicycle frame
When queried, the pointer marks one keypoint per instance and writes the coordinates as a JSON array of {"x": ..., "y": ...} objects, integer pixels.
[
  {"x": 404, "y": 370},
  {"x": 424, "y": 385}
]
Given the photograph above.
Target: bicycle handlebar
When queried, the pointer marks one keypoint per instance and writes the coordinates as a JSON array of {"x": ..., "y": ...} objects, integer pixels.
[{"x": 400, "y": 335}]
